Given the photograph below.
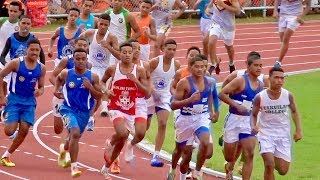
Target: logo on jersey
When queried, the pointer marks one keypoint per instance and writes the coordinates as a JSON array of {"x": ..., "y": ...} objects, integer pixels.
[
  {"x": 68, "y": 49},
  {"x": 164, "y": 3},
  {"x": 16, "y": 28},
  {"x": 160, "y": 84},
  {"x": 71, "y": 84},
  {"x": 125, "y": 102},
  {"x": 120, "y": 20},
  {"x": 21, "y": 51},
  {"x": 21, "y": 78},
  {"x": 100, "y": 55},
  {"x": 33, "y": 80}
]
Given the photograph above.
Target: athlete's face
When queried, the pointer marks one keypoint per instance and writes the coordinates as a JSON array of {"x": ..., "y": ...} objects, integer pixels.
[
  {"x": 14, "y": 12},
  {"x": 170, "y": 50},
  {"x": 86, "y": 7},
  {"x": 117, "y": 4},
  {"x": 33, "y": 51},
  {"x": 145, "y": 8},
  {"x": 103, "y": 25},
  {"x": 197, "y": 69},
  {"x": 80, "y": 60},
  {"x": 192, "y": 54},
  {"x": 276, "y": 80},
  {"x": 136, "y": 50},
  {"x": 126, "y": 54},
  {"x": 81, "y": 44},
  {"x": 255, "y": 68},
  {"x": 73, "y": 16},
  {"x": 25, "y": 25}
]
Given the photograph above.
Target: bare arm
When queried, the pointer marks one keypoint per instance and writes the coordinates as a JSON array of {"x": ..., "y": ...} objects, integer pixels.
[
  {"x": 229, "y": 78},
  {"x": 87, "y": 34},
  {"x": 60, "y": 80},
  {"x": 40, "y": 89},
  {"x": 296, "y": 118},
  {"x": 181, "y": 7},
  {"x": 153, "y": 64},
  {"x": 235, "y": 7},
  {"x": 94, "y": 87},
  {"x": 275, "y": 9},
  {"x": 266, "y": 81},
  {"x": 61, "y": 66},
  {"x": 53, "y": 39},
  {"x": 142, "y": 81},
  {"x": 112, "y": 45},
  {"x": 153, "y": 33},
  {"x": 179, "y": 99},
  {"x": 96, "y": 22},
  {"x": 232, "y": 88},
  {"x": 10, "y": 67},
  {"x": 133, "y": 24},
  {"x": 176, "y": 79},
  {"x": 254, "y": 114},
  {"x": 148, "y": 77},
  {"x": 107, "y": 74}
]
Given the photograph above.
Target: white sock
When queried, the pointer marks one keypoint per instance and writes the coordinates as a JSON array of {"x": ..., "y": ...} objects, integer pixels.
[
  {"x": 231, "y": 64},
  {"x": 183, "y": 176},
  {"x": 104, "y": 104},
  {"x": 156, "y": 153},
  {"x": 6, "y": 154},
  {"x": 68, "y": 158},
  {"x": 197, "y": 173},
  {"x": 74, "y": 165}
]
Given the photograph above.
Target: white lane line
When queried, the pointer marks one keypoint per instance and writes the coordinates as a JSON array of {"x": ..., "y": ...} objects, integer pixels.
[
  {"x": 12, "y": 175},
  {"x": 50, "y": 159},
  {"x": 27, "y": 153},
  {"x": 39, "y": 156}
]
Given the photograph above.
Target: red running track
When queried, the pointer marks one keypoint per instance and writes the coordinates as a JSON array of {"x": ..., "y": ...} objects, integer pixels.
[{"x": 36, "y": 158}]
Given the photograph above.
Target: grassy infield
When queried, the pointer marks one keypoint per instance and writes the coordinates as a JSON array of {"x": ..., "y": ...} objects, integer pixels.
[{"x": 305, "y": 158}]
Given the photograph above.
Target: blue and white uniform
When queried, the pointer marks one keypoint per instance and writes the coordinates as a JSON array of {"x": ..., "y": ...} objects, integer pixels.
[
  {"x": 65, "y": 46},
  {"x": 78, "y": 101},
  {"x": 237, "y": 125},
  {"x": 193, "y": 119},
  {"x": 21, "y": 100},
  {"x": 18, "y": 48}
]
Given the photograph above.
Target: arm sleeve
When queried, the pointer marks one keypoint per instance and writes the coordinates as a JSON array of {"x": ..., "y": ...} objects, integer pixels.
[{"x": 5, "y": 51}]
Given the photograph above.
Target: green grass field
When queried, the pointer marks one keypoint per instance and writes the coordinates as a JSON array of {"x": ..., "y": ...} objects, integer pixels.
[{"x": 305, "y": 163}]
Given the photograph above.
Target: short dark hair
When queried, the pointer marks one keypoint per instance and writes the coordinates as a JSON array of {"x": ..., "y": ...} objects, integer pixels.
[
  {"x": 133, "y": 40},
  {"x": 193, "y": 48},
  {"x": 252, "y": 56},
  {"x": 203, "y": 57},
  {"x": 170, "y": 41},
  {"x": 16, "y": 3},
  {"x": 80, "y": 39},
  {"x": 273, "y": 69},
  {"x": 25, "y": 16},
  {"x": 33, "y": 41},
  {"x": 147, "y": 1},
  {"x": 79, "y": 50},
  {"x": 105, "y": 16},
  {"x": 194, "y": 60},
  {"x": 74, "y": 9},
  {"x": 124, "y": 44}
]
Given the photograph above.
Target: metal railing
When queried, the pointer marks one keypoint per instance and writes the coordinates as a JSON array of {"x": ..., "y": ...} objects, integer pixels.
[{"x": 247, "y": 5}]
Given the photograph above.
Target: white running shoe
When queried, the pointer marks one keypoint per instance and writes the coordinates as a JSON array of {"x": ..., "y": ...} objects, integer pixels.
[{"x": 129, "y": 152}]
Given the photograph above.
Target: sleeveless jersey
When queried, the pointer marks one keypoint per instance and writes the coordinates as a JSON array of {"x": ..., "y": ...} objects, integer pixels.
[
  {"x": 125, "y": 92},
  {"x": 245, "y": 97},
  {"x": 185, "y": 72},
  {"x": 291, "y": 7},
  {"x": 99, "y": 56},
  {"x": 18, "y": 48},
  {"x": 119, "y": 25},
  {"x": 275, "y": 118},
  {"x": 143, "y": 24},
  {"x": 223, "y": 17},
  {"x": 242, "y": 72},
  {"x": 65, "y": 46},
  {"x": 200, "y": 106},
  {"x": 162, "y": 12},
  {"x": 76, "y": 96},
  {"x": 88, "y": 24},
  {"x": 162, "y": 80},
  {"x": 202, "y": 7},
  {"x": 6, "y": 30},
  {"x": 23, "y": 81}
]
